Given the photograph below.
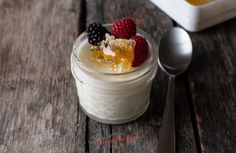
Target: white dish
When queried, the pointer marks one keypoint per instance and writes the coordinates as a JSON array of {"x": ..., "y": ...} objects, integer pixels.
[{"x": 198, "y": 17}]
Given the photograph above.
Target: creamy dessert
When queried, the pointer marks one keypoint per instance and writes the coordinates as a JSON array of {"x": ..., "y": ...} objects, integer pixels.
[{"x": 113, "y": 67}]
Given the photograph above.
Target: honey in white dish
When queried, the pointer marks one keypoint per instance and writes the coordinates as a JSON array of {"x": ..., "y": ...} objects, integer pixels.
[{"x": 199, "y": 2}]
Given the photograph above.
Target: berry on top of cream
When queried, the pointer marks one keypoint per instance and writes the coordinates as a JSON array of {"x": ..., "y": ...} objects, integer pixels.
[{"x": 122, "y": 47}]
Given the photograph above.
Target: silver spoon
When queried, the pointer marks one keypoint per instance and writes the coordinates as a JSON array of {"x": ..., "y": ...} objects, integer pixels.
[{"x": 175, "y": 55}]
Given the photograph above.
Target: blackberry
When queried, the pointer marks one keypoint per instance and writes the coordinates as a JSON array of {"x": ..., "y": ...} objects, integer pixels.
[{"x": 96, "y": 33}]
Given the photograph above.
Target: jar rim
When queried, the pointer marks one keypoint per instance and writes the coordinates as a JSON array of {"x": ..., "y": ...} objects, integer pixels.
[{"x": 153, "y": 54}]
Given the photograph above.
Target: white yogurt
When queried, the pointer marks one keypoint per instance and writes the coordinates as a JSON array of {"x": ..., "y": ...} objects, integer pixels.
[{"x": 107, "y": 96}]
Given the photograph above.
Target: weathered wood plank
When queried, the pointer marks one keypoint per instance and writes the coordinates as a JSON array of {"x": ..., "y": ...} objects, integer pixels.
[
  {"x": 213, "y": 86},
  {"x": 183, "y": 123},
  {"x": 38, "y": 101},
  {"x": 37, "y": 117},
  {"x": 144, "y": 130},
  {"x": 36, "y": 38}
]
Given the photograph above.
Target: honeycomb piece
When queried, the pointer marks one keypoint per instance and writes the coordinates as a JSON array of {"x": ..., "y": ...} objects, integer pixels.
[{"x": 118, "y": 52}]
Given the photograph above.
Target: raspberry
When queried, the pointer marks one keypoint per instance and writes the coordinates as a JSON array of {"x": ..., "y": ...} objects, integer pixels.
[
  {"x": 124, "y": 28},
  {"x": 96, "y": 33},
  {"x": 140, "y": 51}
]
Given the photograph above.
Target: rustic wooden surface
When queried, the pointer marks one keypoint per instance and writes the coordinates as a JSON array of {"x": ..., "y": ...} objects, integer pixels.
[
  {"x": 38, "y": 102},
  {"x": 38, "y": 106},
  {"x": 212, "y": 82}
]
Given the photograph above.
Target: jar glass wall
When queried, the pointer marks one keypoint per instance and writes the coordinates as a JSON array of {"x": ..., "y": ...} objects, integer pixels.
[{"x": 114, "y": 98}]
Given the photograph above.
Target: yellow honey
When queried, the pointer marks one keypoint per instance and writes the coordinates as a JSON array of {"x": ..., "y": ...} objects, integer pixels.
[
  {"x": 198, "y": 2},
  {"x": 121, "y": 53}
]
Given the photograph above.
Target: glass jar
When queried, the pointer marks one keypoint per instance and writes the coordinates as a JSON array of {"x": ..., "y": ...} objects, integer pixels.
[{"x": 114, "y": 98}]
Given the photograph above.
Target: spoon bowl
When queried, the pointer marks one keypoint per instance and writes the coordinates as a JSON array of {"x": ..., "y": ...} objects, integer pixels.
[{"x": 175, "y": 51}]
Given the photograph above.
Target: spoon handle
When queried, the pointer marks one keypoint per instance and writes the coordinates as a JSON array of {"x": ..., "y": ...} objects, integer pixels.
[{"x": 166, "y": 143}]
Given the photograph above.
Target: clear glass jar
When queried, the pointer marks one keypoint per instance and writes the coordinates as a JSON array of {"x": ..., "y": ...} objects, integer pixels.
[{"x": 114, "y": 98}]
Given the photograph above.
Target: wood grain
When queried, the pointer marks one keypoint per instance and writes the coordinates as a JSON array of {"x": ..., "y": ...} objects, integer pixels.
[
  {"x": 39, "y": 109},
  {"x": 37, "y": 117},
  {"x": 38, "y": 102},
  {"x": 36, "y": 39},
  {"x": 212, "y": 80}
]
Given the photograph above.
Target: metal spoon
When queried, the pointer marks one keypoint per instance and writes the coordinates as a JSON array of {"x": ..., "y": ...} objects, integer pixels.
[{"x": 175, "y": 55}]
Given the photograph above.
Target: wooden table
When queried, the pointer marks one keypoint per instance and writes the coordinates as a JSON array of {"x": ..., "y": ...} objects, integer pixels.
[{"x": 39, "y": 111}]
